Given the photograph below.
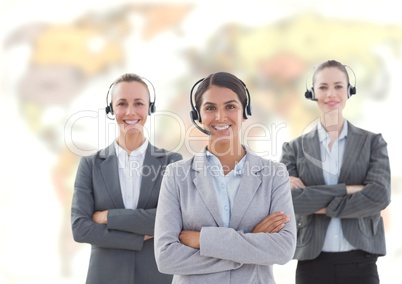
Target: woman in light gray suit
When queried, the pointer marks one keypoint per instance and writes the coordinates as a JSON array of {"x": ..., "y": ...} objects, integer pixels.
[
  {"x": 340, "y": 180},
  {"x": 116, "y": 193},
  {"x": 224, "y": 215}
]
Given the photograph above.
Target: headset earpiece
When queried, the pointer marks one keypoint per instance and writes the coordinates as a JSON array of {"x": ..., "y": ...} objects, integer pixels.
[
  {"x": 152, "y": 108},
  {"x": 109, "y": 109},
  {"x": 309, "y": 94},
  {"x": 195, "y": 115},
  {"x": 247, "y": 108},
  {"x": 351, "y": 90}
]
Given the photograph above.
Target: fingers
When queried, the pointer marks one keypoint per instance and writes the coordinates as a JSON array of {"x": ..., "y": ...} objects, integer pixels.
[
  {"x": 351, "y": 189},
  {"x": 190, "y": 238},
  {"x": 295, "y": 182},
  {"x": 100, "y": 217},
  {"x": 321, "y": 211},
  {"x": 273, "y": 223}
]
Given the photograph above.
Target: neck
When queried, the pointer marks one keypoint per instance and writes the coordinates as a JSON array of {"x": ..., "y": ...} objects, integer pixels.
[
  {"x": 333, "y": 122},
  {"x": 226, "y": 149},
  {"x": 228, "y": 154},
  {"x": 130, "y": 141}
]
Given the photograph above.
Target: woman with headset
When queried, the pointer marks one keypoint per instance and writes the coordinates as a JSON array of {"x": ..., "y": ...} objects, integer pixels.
[
  {"x": 340, "y": 182},
  {"x": 116, "y": 193},
  {"x": 224, "y": 215}
]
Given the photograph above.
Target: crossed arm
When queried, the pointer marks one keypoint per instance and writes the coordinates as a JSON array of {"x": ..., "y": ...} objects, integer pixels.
[
  {"x": 342, "y": 200},
  {"x": 296, "y": 182},
  {"x": 273, "y": 223},
  {"x": 100, "y": 217},
  {"x": 216, "y": 249},
  {"x": 96, "y": 228}
]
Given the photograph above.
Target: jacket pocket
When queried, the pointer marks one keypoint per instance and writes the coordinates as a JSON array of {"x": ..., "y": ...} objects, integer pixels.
[
  {"x": 305, "y": 229},
  {"x": 369, "y": 226}
]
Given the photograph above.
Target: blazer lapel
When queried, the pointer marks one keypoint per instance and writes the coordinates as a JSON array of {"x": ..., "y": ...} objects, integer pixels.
[
  {"x": 312, "y": 154},
  {"x": 110, "y": 175},
  {"x": 151, "y": 169},
  {"x": 353, "y": 147},
  {"x": 250, "y": 183},
  {"x": 203, "y": 184}
]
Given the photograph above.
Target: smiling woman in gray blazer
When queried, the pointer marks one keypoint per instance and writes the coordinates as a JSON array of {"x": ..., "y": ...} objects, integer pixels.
[
  {"x": 340, "y": 180},
  {"x": 116, "y": 193},
  {"x": 225, "y": 215}
]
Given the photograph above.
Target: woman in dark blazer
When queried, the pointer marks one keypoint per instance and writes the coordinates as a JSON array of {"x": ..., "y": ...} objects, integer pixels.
[
  {"x": 340, "y": 181},
  {"x": 116, "y": 193}
]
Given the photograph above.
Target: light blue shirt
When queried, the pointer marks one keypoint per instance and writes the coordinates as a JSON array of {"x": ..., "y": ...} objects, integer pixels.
[
  {"x": 226, "y": 187},
  {"x": 331, "y": 167}
]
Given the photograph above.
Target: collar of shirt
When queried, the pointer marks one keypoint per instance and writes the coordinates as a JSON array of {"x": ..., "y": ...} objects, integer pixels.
[
  {"x": 323, "y": 135},
  {"x": 137, "y": 154},
  {"x": 213, "y": 162}
]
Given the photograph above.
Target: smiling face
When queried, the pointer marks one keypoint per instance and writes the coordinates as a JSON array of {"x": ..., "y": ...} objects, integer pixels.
[
  {"x": 130, "y": 105},
  {"x": 222, "y": 114},
  {"x": 331, "y": 89}
]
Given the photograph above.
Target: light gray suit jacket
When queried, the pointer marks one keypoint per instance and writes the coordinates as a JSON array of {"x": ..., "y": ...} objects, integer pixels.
[
  {"x": 118, "y": 251},
  {"x": 365, "y": 162},
  {"x": 233, "y": 255}
]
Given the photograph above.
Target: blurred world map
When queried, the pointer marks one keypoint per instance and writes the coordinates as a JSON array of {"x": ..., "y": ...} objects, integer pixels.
[{"x": 58, "y": 60}]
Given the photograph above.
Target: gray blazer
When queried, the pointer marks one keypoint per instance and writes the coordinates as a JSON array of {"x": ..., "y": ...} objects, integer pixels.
[
  {"x": 118, "y": 251},
  {"x": 227, "y": 255},
  {"x": 365, "y": 162}
]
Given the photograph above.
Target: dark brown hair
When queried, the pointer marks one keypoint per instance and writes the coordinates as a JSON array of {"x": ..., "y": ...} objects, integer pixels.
[{"x": 224, "y": 80}]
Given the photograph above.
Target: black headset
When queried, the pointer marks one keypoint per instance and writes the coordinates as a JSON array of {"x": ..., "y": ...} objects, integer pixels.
[
  {"x": 310, "y": 95},
  {"x": 151, "y": 109},
  {"x": 195, "y": 115}
]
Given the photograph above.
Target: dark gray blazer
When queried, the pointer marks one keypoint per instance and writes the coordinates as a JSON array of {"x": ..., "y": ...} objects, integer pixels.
[
  {"x": 365, "y": 162},
  {"x": 118, "y": 251}
]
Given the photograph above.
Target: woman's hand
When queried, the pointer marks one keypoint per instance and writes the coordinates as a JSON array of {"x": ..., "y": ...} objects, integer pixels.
[
  {"x": 295, "y": 182},
  {"x": 351, "y": 189},
  {"x": 272, "y": 224},
  {"x": 100, "y": 217},
  {"x": 321, "y": 211},
  {"x": 190, "y": 239}
]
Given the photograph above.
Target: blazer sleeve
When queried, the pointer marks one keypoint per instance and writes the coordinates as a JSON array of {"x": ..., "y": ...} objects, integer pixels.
[
  {"x": 256, "y": 248},
  {"x": 171, "y": 256},
  {"x": 376, "y": 194},
  {"x": 310, "y": 199},
  {"x": 139, "y": 221},
  {"x": 83, "y": 228}
]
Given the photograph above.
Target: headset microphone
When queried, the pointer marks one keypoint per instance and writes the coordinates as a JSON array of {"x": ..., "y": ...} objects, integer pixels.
[
  {"x": 309, "y": 94},
  {"x": 198, "y": 127}
]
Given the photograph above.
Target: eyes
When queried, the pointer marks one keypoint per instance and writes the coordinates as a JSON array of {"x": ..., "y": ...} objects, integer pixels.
[
  {"x": 125, "y": 104},
  {"x": 213, "y": 107},
  {"x": 325, "y": 87}
]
